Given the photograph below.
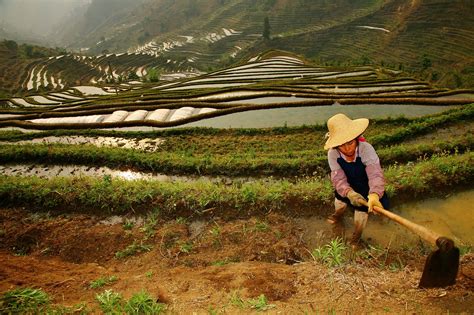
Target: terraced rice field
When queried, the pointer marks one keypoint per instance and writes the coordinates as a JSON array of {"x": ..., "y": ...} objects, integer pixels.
[{"x": 262, "y": 83}]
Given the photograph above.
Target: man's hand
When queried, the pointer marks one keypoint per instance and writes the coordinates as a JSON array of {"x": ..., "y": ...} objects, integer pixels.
[
  {"x": 374, "y": 201},
  {"x": 354, "y": 198}
]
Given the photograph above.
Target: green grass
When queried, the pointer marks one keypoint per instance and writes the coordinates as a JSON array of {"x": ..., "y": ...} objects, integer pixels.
[
  {"x": 133, "y": 249},
  {"x": 332, "y": 254},
  {"x": 111, "y": 302},
  {"x": 78, "y": 194},
  {"x": 24, "y": 300},
  {"x": 102, "y": 282}
]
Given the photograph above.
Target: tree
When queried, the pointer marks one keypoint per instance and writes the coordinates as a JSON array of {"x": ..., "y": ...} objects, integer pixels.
[
  {"x": 11, "y": 45},
  {"x": 266, "y": 28}
]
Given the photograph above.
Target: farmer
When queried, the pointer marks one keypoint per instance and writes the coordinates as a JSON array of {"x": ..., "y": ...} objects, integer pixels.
[{"x": 355, "y": 171}]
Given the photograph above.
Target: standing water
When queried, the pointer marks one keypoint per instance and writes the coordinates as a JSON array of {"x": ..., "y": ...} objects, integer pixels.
[{"x": 452, "y": 217}]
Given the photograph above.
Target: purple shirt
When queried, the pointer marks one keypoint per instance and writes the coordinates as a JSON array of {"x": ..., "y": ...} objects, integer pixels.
[{"x": 372, "y": 167}]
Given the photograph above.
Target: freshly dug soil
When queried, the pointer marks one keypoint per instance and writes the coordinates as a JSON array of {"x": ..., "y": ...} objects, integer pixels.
[{"x": 202, "y": 266}]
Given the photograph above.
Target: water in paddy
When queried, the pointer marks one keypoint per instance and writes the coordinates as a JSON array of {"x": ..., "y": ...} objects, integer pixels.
[
  {"x": 452, "y": 217},
  {"x": 297, "y": 116}
]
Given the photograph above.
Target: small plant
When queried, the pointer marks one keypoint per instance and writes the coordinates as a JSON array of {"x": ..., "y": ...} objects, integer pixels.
[
  {"x": 102, "y": 282},
  {"x": 261, "y": 226},
  {"x": 143, "y": 303},
  {"x": 331, "y": 254},
  {"x": 133, "y": 249},
  {"x": 185, "y": 248},
  {"x": 260, "y": 304},
  {"x": 110, "y": 302},
  {"x": 23, "y": 300},
  {"x": 236, "y": 300},
  {"x": 216, "y": 232},
  {"x": 150, "y": 223},
  {"x": 181, "y": 220},
  {"x": 149, "y": 274},
  {"x": 396, "y": 265},
  {"x": 128, "y": 225}
]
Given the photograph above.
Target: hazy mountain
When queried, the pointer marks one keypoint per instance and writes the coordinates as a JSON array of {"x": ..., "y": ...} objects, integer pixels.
[{"x": 35, "y": 19}]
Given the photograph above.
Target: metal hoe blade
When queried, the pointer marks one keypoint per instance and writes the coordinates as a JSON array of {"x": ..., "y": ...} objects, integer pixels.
[{"x": 441, "y": 266}]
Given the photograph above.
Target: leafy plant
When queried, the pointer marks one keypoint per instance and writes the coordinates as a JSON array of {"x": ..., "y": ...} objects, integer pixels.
[
  {"x": 102, "y": 282},
  {"x": 260, "y": 304},
  {"x": 128, "y": 225},
  {"x": 23, "y": 300},
  {"x": 185, "y": 248},
  {"x": 133, "y": 249},
  {"x": 143, "y": 303},
  {"x": 110, "y": 302},
  {"x": 331, "y": 254}
]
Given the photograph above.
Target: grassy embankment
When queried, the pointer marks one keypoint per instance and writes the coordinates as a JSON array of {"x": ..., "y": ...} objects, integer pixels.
[{"x": 292, "y": 156}]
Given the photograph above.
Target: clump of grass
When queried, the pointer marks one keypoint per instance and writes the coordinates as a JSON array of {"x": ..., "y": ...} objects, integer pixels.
[
  {"x": 143, "y": 303},
  {"x": 111, "y": 302},
  {"x": 259, "y": 304},
  {"x": 102, "y": 282},
  {"x": 331, "y": 254},
  {"x": 185, "y": 247},
  {"x": 133, "y": 249},
  {"x": 23, "y": 300}
]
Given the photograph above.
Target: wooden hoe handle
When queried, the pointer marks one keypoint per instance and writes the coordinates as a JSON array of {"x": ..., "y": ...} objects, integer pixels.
[{"x": 425, "y": 233}]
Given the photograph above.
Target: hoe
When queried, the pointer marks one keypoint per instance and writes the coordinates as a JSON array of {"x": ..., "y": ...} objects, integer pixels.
[{"x": 442, "y": 264}]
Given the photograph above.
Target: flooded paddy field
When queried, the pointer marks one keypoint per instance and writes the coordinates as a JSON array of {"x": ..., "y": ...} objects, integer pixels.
[
  {"x": 214, "y": 244},
  {"x": 296, "y": 116}
]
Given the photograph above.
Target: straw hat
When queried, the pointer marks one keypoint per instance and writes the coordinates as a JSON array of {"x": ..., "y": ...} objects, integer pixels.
[{"x": 342, "y": 129}]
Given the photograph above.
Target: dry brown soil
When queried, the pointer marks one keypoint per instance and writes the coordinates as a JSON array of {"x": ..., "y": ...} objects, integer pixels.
[{"x": 203, "y": 265}]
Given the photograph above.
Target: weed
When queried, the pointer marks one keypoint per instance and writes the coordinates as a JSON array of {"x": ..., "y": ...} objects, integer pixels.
[
  {"x": 181, "y": 220},
  {"x": 236, "y": 300},
  {"x": 102, "y": 282},
  {"x": 260, "y": 303},
  {"x": 23, "y": 300},
  {"x": 150, "y": 223},
  {"x": 110, "y": 302},
  {"x": 149, "y": 274},
  {"x": 185, "y": 248},
  {"x": 465, "y": 249},
  {"x": 261, "y": 226},
  {"x": 212, "y": 311},
  {"x": 128, "y": 225},
  {"x": 216, "y": 233},
  {"x": 133, "y": 249},
  {"x": 396, "y": 265},
  {"x": 143, "y": 303},
  {"x": 331, "y": 254},
  {"x": 220, "y": 263}
]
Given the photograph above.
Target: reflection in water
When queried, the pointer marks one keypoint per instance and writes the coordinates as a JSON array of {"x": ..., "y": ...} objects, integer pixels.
[{"x": 297, "y": 116}]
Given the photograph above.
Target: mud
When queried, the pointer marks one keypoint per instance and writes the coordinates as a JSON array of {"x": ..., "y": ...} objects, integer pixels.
[{"x": 197, "y": 266}]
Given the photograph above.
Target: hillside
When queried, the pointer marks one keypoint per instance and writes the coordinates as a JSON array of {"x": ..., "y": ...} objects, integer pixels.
[{"x": 431, "y": 40}]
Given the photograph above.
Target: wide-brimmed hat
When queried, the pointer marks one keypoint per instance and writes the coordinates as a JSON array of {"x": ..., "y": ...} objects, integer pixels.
[{"x": 342, "y": 129}]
